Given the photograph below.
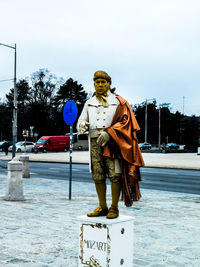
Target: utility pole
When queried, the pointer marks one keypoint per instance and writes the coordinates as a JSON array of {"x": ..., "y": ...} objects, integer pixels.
[
  {"x": 14, "y": 121},
  {"x": 183, "y": 104},
  {"x": 159, "y": 123},
  {"x": 15, "y": 106},
  {"x": 146, "y": 102},
  {"x": 145, "y": 140},
  {"x": 159, "y": 134}
]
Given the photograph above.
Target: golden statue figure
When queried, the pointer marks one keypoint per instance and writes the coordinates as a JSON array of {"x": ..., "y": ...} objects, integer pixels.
[{"x": 114, "y": 149}]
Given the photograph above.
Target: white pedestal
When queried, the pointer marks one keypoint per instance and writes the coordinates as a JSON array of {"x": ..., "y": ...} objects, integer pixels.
[
  {"x": 198, "y": 151},
  {"x": 105, "y": 242},
  {"x": 14, "y": 185}
]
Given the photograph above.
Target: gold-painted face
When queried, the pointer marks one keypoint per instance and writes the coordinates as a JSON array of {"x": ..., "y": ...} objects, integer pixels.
[{"x": 101, "y": 86}]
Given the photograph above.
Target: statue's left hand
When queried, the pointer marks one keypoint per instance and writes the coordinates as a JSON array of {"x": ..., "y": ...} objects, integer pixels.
[{"x": 103, "y": 138}]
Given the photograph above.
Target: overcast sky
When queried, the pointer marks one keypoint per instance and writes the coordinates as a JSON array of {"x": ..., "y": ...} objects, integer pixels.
[{"x": 150, "y": 48}]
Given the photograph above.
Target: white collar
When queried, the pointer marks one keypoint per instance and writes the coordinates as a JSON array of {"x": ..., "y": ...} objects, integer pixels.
[{"x": 111, "y": 99}]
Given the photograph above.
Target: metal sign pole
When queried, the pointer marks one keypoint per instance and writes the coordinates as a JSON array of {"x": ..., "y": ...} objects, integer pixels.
[
  {"x": 70, "y": 160},
  {"x": 70, "y": 112}
]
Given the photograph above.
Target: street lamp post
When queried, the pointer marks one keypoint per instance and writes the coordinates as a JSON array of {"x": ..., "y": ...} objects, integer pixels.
[
  {"x": 159, "y": 135},
  {"x": 14, "y": 121},
  {"x": 146, "y": 117},
  {"x": 159, "y": 122},
  {"x": 145, "y": 139}
]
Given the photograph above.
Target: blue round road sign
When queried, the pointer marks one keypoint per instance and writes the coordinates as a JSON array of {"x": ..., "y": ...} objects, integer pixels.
[{"x": 70, "y": 112}]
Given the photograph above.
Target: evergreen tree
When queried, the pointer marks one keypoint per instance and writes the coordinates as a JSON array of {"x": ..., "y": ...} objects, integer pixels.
[
  {"x": 152, "y": 122},
  {"x": 23, "y": 101},
  {"x": 70, "y": 90},
  {"x": 5, "y": 122},
  {"x": 190, "y": 131}
]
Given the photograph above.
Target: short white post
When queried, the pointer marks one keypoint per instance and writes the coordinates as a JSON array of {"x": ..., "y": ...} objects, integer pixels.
[
  {"x": 198, "y": 151},
  {"x": 25, "y": 161},
  {"x": 14, "y": 185},
  {"x": 105, "y": 242}
]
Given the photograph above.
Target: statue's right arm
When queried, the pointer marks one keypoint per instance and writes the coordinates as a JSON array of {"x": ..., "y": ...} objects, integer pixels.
[{"x": 83, "y": 121}]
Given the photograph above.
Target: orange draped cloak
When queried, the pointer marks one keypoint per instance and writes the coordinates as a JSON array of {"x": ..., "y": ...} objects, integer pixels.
[{"x": 124, "y": 145}]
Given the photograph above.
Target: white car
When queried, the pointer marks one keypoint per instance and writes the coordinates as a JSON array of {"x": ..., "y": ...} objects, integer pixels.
[{"x": 23, "y": 146}]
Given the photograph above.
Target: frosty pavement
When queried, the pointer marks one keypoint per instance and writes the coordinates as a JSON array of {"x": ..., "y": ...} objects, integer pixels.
[{"x": 43, "y": 230}]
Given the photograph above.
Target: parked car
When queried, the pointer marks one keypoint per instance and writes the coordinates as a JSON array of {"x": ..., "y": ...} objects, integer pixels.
[
  {"x": 170, "y": 146},
  {"x": 23, "y": 146},
  {"x": 3, "y": 145},
  {"x": 145, "y": 146},
  {"x": 52, "y": 143}
]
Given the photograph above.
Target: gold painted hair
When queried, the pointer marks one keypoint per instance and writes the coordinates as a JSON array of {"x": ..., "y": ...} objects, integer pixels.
[{"x": 103, "y": 75}]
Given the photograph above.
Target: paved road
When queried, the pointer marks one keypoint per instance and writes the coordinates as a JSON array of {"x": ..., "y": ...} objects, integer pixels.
[{"x": 185, "y": 181}]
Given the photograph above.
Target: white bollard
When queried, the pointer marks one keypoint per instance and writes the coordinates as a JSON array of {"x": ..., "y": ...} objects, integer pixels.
[
  {"x": 25, "y": 161},
  {"x": 14, "y": 185},
  {"x": 105, "y": 242},
  {"x": 198, "y": 151}
]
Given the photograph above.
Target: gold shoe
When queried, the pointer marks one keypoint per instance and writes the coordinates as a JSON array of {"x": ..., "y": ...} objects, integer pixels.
[
  {"x": 112, "y": 213},
  {"x": 98, "y": 212}
]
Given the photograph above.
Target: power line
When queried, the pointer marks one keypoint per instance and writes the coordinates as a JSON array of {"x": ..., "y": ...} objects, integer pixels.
[{"x": 6, "y": 80}]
